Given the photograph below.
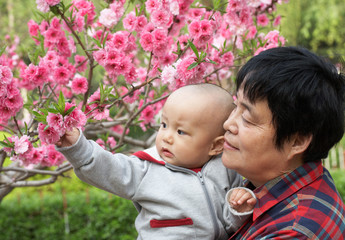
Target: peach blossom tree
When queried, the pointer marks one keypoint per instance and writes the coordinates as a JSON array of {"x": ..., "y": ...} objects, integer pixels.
[{"x": 109, "y": 71}]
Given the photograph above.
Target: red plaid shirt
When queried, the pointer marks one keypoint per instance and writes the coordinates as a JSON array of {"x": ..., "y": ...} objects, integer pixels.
[{"x": 303, "y": 204}]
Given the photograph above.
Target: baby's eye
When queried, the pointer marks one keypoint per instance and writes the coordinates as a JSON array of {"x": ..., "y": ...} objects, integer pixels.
[
  {"x": 180, "y": 132},
  {"x": 163, "y": 125}
]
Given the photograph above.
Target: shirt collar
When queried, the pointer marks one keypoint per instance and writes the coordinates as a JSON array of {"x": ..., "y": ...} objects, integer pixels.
[{"x": 285, "y": 185}]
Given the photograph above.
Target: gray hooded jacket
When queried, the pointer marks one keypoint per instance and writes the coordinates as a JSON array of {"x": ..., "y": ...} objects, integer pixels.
[{"x": 173, "y": 203}]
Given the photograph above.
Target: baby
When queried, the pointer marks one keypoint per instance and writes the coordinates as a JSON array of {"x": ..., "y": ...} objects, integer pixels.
[{"x": 179, "y": 186}]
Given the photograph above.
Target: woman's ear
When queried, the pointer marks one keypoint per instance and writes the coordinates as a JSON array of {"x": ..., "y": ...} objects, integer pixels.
[
  {"x": 217, "y": 146},
  {"x": 299, "y": 143}
]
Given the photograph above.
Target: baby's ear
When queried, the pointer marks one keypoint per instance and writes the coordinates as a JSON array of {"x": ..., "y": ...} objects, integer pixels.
[{"x": 217, "y": 146}]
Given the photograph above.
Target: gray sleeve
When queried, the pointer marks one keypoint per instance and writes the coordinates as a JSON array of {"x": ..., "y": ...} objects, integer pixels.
[
  {"x": 233, "y": 221},
  {"x": 115, "y": 173},
  {"x": 234, "y": 218}
]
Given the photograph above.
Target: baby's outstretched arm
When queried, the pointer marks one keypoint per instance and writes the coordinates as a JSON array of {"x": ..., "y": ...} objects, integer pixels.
[
  {"x": 69, "y": 138},
  {"x": 241, "y": 200}
]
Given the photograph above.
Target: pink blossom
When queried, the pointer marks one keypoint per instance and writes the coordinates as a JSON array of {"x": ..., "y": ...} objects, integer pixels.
[
  {"x": 108, "y": 18},
  {"x": 262, "y": 19},
  {"x": 194, "y": 29},
  {"x": 100, "y": 142},
  {"x": 79, "y": 85},
  {"x": 131, "y": 76},
  {"x": 160, "y": 36},
  {"x": 99, "y": 111},
  {"x": 120, "y": 40},
  {"x": 196, "y": 13},
  {"x": 85, "y": 9},
  {"x": 174, "y": 7},
  {"x": 100, "y": 56},
  {"x": 14, "y": 103},
  {"x": 61, "y": 75},
  {"x": 80, "y": 63},
  {"x": 168, "y": 75},
  {"x": 206, "y": 27},
  {"x": 64, "y": 47},
  {"x": 56, "y": 122},
  {"x": 75, "y": 119},
  {"x": 152, "y": 5},
  {"x": 111, "y": 142},
  {"x": 276, "y": 21},
  {"x": 42, "y": 5},
  {"x": 251, "y": 32},
  {"x": 190, "y": 76},
  {"x": 33, "y": 28},
  {"x": 52, "y": 157},
  {"x": 37, "y": 155},
  {"x": 5, "y": 75},
  {"x": 52, "y": 2},
  {"x": 228, "y": 59},
  {"x": 129, "y": 22},
  {"x": 49, "y": 135},
  {"x": 161, "y": 18},
  {"x": 124, "y": 66},
  {"x": 146, "y": 41},
  {"x": 140, "y": 23},
  {"x": 129, "y": 98},
  {"x": 21, "y": 145},
  {"x": 147, "y": 115},
  {"x": 273, "y": 38},
  {"x": 117, "y": 7}
]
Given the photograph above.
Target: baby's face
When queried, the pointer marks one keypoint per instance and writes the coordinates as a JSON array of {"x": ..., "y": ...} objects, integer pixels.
[{"x": 186, "y": 133}]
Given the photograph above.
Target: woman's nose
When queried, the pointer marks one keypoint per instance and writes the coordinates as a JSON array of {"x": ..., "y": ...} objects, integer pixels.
[{"x": 230, "y": 124}]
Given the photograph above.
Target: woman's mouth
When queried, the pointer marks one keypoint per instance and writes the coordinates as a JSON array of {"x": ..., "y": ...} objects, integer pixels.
[{"x": 229, "y": 146}]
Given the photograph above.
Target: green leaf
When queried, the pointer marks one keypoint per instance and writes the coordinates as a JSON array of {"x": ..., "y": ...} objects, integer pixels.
[
  {"x": 3, "y": 144},
  {"x": 2, "y": 50},
  {"x": 202, "y": 56},
  {"x": 98, "y": 43},
  {"x": 69, "y": 110},
  {"x": 46, "y": 127},
  {"x": 53, "y": 110},
  {"x": 211, "y": 61},
  {"x": 195, "y": 50},
  {"x": 54, "y": 10},
  {"x": 62, "y": 103},
  {"x": 215, "y": 47},
  {"x": 216, "y": 4},
  {"x": 193, "y": 65}
]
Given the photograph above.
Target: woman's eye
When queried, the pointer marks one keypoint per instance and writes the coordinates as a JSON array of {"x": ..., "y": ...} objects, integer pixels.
[
  {"x": 180, "y": 132},
  {"x": 245, "y": 120}
]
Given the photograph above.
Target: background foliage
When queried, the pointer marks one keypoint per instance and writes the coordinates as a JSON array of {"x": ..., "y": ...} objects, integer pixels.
[{"x": 315, "y": 24}]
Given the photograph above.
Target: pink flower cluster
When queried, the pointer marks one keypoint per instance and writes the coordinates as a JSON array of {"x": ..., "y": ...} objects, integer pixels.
[
  {"x": 10, "y": 99},
  {"x": 27, "y": 155},
  {"x": 58, "y": 125},
  {"x": 53, "y": 68},
  {"x": 118, "y": 55},
  {"x": 110, "y": 16},
  {"x": 110, "y": 143},
  {"x": 43, "y": 5}
]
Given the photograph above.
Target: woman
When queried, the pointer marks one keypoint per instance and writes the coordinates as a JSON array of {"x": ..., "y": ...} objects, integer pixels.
[{"x": 289, "y": 113}]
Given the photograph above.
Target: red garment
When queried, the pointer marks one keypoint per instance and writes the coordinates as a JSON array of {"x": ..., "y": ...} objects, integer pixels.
[{"x": 303, "y": 204}]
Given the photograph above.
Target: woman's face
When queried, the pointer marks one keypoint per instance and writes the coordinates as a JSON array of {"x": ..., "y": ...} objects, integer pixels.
[{"x": 249, "y": 142}]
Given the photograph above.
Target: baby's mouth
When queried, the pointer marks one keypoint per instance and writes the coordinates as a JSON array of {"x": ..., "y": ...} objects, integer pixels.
[{"x": 167, "y": 153}]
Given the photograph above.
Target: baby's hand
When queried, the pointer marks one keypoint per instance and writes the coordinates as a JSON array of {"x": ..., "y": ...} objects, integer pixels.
[
  {"x": 69, "y": 138},
  {"x": 241, "y": 200}
]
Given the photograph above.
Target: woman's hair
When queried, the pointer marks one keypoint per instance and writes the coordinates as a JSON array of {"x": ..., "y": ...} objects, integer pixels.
[{"x": 305, "y": 94}]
